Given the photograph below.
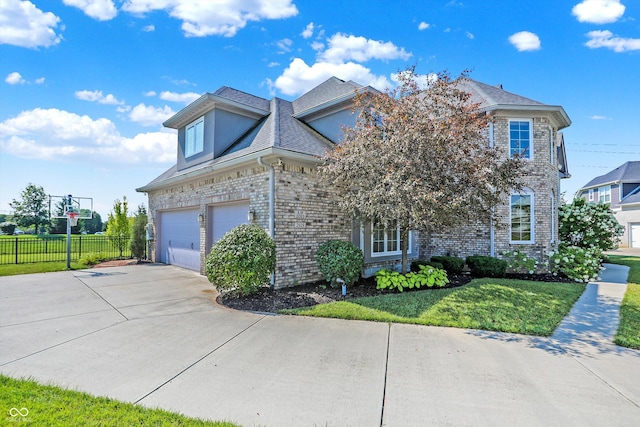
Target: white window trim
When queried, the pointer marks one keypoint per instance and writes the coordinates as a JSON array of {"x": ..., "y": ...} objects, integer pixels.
[
  {"x": 525, "y": 192},
  {"x": 531, "y": 141},
  {"x": 552, "y": 147},
  {"x": 186, "y": 139},
  {"x": 388, "y": 253},
  {"x": 603, "y": 191},
  {"x": 591, "y": 196},
  {"x": 553, "y": 217}
]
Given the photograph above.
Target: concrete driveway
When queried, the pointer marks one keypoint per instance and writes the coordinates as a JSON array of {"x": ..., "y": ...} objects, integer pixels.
[{"x": 153, "y": 334}]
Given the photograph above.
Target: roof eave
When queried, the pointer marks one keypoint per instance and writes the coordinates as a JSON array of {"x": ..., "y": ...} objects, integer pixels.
[
  {"x": 561, "y": 116},
  {"x": 333, "y": 102},
  {"x": 208, "y": 102}
]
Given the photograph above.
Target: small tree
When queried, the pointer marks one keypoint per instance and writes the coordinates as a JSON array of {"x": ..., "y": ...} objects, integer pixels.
[
  {"x": 419, "y": 159},
  {"x": 242, "y": 259},
  {"x": 118, "y": 230},
  {"x": 31, "y": 209},
  {"x": 93, "y": 225},
  {"x": 339, "y": 259},
  {"x": 589, "y": 225},
  {"x": 7, "y": 227},
  {"x": 138, "y": 235}
]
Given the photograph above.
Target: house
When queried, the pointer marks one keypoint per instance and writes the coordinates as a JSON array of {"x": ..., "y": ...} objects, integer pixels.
[
  {"x": 242, "y": 158},
  {"x": 620, "y": 189}
]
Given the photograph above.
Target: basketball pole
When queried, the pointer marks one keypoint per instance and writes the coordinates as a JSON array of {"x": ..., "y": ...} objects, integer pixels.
[{"x": 68, "y": 242}]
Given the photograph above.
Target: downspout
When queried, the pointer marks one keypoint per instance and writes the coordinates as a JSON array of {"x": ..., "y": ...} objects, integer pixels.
[
  {"x": 492, "y": 228},
  {"x": 272, "y": 199}
]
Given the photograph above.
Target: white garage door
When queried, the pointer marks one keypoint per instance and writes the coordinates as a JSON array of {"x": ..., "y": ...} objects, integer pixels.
[
  {"x": 179, "y": 237},
  {"x": 635, "y": 235},
  {"x": 223, "y": 218}
]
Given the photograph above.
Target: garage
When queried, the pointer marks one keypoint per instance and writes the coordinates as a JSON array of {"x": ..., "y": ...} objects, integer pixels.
[
  {"x": 635, "y": 235},
  {"x": 224, "y": 217},
  {"x": 179, "y": 238}
]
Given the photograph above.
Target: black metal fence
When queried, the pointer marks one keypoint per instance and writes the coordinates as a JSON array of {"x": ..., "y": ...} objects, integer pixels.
[{"x": 29, "y": 249}]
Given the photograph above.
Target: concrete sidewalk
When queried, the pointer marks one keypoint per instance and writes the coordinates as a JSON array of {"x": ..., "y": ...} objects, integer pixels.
[{"x": 153, "y": 334}]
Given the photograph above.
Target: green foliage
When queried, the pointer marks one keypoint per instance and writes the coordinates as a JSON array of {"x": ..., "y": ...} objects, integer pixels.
[
  {"x": 118, "y": 229},
  {"x": 452, "y": 264},
  {"x": 415, "y": 265},
  {"x": 519, "y": 262},
  {"x": 32, "y": 207},
  {"x": 588, "y": 225},
  {"x": 8, "y": 227},
  {"x": 579, "y": 264},
  {"x": 93, "y": 259},
  {"x": 339, "y": 259},
  {"x": 93, "y": 225},
  {"x": 138, "y": 233},
  {"x": 486, "y": 266},
  {"x": 242, "y": 259},
  {"x": 426, "y": 276},
  {"x": 59, "y": 225}
]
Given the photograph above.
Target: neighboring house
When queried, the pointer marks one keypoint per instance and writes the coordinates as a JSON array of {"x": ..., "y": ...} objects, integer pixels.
[
  {"x": 620, "y": 189},
  {"x": 242, "y": 158}
]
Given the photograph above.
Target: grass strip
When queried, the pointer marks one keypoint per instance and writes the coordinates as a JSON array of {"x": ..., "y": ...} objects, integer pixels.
[
  {"x": 517, "y": 306},
  {"x": 37, "y": 267},
  {"x": 628, "y": 334},
  {"x": 42, "y": 405}
]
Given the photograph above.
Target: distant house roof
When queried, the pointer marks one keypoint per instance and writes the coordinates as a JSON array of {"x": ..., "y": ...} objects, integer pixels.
[
  {"x": 632, "y": 199},
  {"x": 628, "y": 172}
]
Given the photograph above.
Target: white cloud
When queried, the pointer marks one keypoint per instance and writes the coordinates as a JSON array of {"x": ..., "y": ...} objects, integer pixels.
[
  {"x": 308, "y": 31},
  {"x": 40, "y": 80},
  {"x": 284, "y": 45},
  {"x": 150, "y": 93},
  {"x": 345, "y": 48},
  {"x": 224, "y": 18},
  {"x": 15, "y": 78},
  {"x": 147, "y": 115},
  {"x": 598, "y": 11},
  {"x": 56, "y": 134},
  {"x": 102, "y": 10},
  {"x": 149, "y": 28},
  {"x": 525, "y": 41},
  {"x": 23, "y": 24},
  {"x": 273, "y": 64},
  {"x": 317, "y": 46},
  {"x": 469, "y": 35},
  {"x": 97, "y": 96},
  {"x": 185, "y": 98},
  {"x": 597, "y": 117},
  {"x": 423, "y": 26},
  {"x": 606, "y": 39},
  {"x": 299, "y": 77}
]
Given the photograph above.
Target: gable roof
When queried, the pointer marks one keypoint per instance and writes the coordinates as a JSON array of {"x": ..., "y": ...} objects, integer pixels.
[
  {"x": 491, "y": 98},
  {"x": 628, "y": 172},
  {"x": 328, "y": 92}
]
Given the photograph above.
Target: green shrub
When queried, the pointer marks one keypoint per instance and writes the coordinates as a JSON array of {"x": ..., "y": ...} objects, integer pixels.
[
  {"x": 93, "y": 259},
  {"x": 452, "y": 264},
  {"x": 8, "y": 227},
  {"x": 579, "y": 264},
  {"x": 242, "y": 259},
  {"x": 427, "y": 276},
  {"x": 339, "y": 259},
  {"x": 486, "y": 266},
  {"x": 519, "y": 262},
  {"x": 415, "y": 265}
]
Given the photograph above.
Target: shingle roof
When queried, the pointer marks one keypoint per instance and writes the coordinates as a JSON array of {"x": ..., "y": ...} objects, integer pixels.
[
  {"x": 242, "y": 97},
  {"x": 331, "y": 89},
  {"x": 632, "y": 199},
  {"x": 487, "y": 95},
  {"x": 628, "y": 172}
]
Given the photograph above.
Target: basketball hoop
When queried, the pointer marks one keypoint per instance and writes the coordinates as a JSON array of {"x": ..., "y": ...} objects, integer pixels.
[{"x": 73, "y": 218}]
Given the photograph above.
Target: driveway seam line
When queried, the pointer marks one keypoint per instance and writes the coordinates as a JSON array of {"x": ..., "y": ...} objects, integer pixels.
[
  {"x": 100, "y": 296},
  {"x": 386, "y": 371},
  {"x": 634, "y": 403},
  {"x": 198, "y": 361},
  {"x": 62, "y": 343}
]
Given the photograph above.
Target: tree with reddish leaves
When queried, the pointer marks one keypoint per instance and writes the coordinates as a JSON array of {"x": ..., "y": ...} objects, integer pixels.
[{"x": 419, "y": 158}]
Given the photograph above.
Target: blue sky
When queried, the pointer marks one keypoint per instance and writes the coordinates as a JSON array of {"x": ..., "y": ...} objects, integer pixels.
[{"x": 86, "y": 84}]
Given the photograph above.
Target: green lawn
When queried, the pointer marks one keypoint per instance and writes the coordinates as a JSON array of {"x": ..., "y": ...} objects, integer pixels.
[
  {"x": 40, "y": 267},
  {"x": 23, "y": 401},
  {"x": 628, "y": 334},
  {"x": 517, "y": 306}
]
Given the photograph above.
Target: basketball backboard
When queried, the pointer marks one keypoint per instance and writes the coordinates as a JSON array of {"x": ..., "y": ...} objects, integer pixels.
[{"x": 62, "y": 206}]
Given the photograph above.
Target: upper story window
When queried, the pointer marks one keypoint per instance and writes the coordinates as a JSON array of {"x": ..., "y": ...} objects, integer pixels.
[
  {"x": 520, "y": 138},
  {"x": 194, "y": 138},
  {"x": 522, "y": 218},
  {"x": 386, "y": 241},
  {"x": 591, "y": 195},
  {"x": 604, "y": 194}
]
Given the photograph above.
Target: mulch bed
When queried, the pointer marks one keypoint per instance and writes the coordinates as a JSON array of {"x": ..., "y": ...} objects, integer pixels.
[{"x": 271, "y": 301}]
